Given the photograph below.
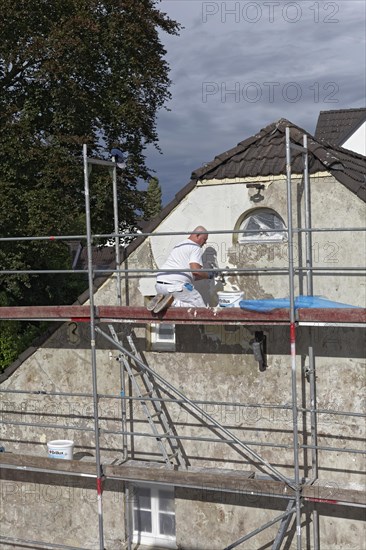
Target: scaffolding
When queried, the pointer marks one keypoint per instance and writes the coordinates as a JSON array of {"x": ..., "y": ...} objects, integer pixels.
[{"x": 156, "y": 391}]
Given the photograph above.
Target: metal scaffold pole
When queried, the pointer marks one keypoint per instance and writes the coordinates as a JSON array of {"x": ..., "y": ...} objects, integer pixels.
[
  {"x": 93, "y": 349},
  {"x": 121, "y": 363},
  {"x": 116, "y": 230},
  {"x": 312, "y": 377},
  {"x": 308, "y": 233},
  {"x": 293, "y": 338},
  {"x": 119, "y": 303}
]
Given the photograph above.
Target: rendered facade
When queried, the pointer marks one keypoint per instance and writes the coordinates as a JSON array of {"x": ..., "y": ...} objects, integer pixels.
[{"x": 231, "y": 456}]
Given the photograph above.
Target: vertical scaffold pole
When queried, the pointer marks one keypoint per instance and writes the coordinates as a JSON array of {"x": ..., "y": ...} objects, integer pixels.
[
  {"x": 308, "y": 236},
  {"x": 122, "y": 369},
  {"x": 312, "y": 377},
  {"x": 293, "y": 337},
  {"x": 119, "y": 303},
  {"x": 92, "y": 347},
  {"x": 116, "y": 231}
]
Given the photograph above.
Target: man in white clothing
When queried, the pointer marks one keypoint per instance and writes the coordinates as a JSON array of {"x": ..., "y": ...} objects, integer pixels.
[{"x": 173, "y": 283}]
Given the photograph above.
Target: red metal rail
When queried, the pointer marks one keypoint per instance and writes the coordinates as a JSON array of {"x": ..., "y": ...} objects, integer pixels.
[
  {"x": 182, "y": 315},
  {"x": 54, "y": 313},
  {"x": 332, "y": 316}
]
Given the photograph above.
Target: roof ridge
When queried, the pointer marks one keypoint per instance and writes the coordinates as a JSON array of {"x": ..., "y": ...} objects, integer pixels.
[
  {"x": 278, "y": 125},
  {"x": 344, "y": 110},
  {"x": 242, "y": 145}
]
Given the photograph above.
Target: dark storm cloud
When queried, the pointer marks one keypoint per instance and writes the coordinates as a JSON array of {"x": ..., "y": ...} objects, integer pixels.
[{"x": 235, "y": 70}]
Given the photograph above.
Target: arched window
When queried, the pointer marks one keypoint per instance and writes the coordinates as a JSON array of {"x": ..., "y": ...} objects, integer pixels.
[{"x": 262, "y": 224}]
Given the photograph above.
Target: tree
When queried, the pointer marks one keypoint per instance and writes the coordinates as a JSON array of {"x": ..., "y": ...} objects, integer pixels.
[
  {"x": 72, "y": 72},
  {"x": 153, "y": 205}
]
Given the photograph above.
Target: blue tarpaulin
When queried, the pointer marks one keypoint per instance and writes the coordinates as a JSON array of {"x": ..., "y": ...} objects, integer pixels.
[{"x": 300, "y": 302}]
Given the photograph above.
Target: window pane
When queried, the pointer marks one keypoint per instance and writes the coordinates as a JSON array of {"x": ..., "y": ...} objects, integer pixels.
[
  {"x": 142, "y": 521},
  {"x": 166, "y": 501},
  {"x": 252, "y": 223},
  {"x": 262, "y": 222},
  {"x": 167, "y": 524},
  {"x": 142, "y": 498},
  {"x": 166, "y": 332}
]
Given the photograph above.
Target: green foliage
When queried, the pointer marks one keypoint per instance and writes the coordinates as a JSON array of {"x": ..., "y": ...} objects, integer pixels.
[
  {"x": 72, "y": 72},
  {"x": 9, "y": 343},
  {"x": 14, "y": 338},
  {"x": 153, "y": 205}
]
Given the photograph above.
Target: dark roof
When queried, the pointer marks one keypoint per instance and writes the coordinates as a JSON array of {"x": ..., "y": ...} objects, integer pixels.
[
  {"x": 265, "y": 154},
  {"x": 102, "y": 257},
  {"x": 337, "y": 126}
]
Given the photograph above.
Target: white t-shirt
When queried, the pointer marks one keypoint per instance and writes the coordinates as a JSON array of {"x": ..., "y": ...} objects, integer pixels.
[{"x": 183, "y": 254}]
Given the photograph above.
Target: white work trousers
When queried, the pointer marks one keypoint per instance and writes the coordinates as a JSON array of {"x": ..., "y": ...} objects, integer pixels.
[{"x": 185, "y": 295}]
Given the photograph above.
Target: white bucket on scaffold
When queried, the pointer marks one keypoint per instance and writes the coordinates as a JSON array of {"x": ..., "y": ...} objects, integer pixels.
[
  {"x": 60, "y": 448},
  {"x": 230, "y": 299}
]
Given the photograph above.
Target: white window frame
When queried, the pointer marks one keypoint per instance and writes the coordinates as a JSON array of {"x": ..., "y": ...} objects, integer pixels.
[
  {"x": 155, "y": 537},
  {"x": 162, "y": 337},
  {"x": 261, "y": 236}
]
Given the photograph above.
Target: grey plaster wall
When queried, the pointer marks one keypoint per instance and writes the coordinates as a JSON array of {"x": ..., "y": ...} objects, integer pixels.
[
  {"x": 60, "y": 510},
  {"x": 223, "y": 519}
]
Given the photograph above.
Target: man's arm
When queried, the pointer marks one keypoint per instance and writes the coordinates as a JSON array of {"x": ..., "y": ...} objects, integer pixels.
[{"x": 197, "y": 273}]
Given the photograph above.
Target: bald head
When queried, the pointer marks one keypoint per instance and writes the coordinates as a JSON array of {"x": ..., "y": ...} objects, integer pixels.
[{"x": 199, "y": 235}]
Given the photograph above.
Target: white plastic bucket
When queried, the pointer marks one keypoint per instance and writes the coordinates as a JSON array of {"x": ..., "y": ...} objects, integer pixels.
[
  {"x": 60, "y": 448},
  {"x": 230, "y": 299}
]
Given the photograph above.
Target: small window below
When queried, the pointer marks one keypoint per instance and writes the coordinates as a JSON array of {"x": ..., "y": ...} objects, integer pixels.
[
  {"x": 262, "y": 225},
  {"x": 162, "y": 336},
  {"x": 153, "y": 515}
]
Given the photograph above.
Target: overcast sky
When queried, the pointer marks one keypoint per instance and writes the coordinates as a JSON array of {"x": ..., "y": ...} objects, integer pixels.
[{"x": 238, "y": 66}]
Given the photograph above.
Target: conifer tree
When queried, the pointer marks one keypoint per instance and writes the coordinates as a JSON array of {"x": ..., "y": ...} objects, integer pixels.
[{"x": 153, "y": 203}]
